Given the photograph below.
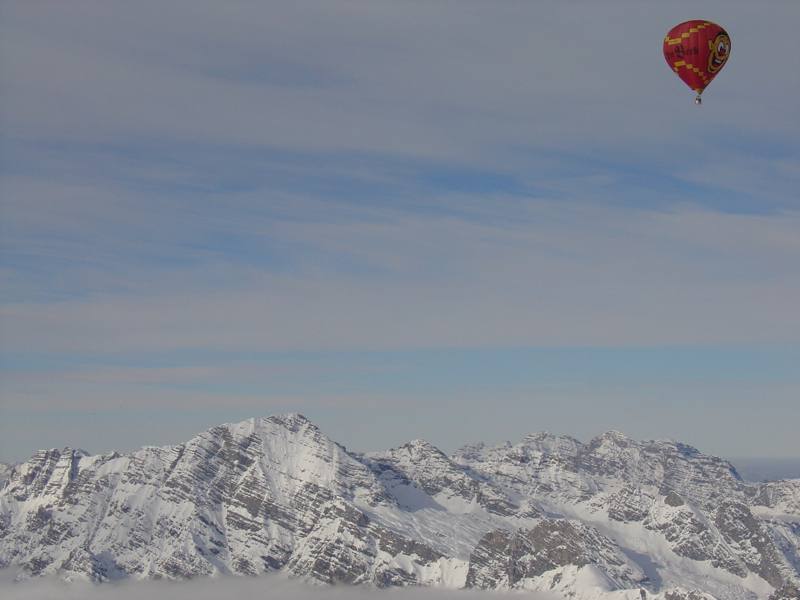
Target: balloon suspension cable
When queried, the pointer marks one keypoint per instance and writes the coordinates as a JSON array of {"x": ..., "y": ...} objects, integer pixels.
[{"x": 698, "y": 100}]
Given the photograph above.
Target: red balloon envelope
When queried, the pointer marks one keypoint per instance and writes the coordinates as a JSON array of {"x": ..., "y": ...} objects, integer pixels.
[{"x": 697, "y": 51}]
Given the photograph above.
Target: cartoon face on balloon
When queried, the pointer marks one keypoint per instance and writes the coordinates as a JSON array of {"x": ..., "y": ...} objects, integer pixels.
[
  {"x": 720, "y": 48},
  {"x": 697, "y": 51}
]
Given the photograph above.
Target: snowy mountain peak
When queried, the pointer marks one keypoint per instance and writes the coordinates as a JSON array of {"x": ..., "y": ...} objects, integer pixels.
[
  {"x": 420, "y": 443},
  {"x": 292, "y": 421},
  {"x": 539, "y": 436},
  {"x": 469, "y": 451},
  {"x": 289, "y": 425},
  {"x": 420, "y": 448},
  {"x": 551, "y": 444},
  {"x": 65, "y": 451},
  {"x": 611, "y": 438},
  {"x": 614, "y": 434}
]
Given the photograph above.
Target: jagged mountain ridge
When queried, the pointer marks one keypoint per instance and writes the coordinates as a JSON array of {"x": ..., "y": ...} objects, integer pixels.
[
  {"x": 550, "y": 512},
  {"x": 5, "y": 468}
]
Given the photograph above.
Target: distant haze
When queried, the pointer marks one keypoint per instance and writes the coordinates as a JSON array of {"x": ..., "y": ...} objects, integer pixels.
[{"x": 767, "y": 469}]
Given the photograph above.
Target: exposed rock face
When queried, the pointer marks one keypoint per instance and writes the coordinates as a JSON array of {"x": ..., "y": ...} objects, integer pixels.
[
  {"x": 502, "y": 559},
  {"x": 5, "y": 469},
  {"x": 679, "y": 594},
  {"x": 750, "y": 541},
  {"x": 276, "y": 494},
  {"x": 629, "y": 504},
  {"x": 431, "y": 470},
  {"x": 783, "y": 496},
  {"x": 690, "y": 536},
  {"x": 786, "y": 592}
]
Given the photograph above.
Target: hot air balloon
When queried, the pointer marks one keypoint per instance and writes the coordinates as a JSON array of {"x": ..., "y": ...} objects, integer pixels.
[{"x": 697, "y": 51}]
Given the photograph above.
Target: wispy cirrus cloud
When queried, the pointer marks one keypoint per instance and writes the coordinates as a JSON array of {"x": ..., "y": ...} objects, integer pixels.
[
  {"x": 470, "y": 82},
  {"x": 538, "y": 274}
]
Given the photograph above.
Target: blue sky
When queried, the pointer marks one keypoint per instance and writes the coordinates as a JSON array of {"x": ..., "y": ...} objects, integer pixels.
[{"x": 451, "y": 220}]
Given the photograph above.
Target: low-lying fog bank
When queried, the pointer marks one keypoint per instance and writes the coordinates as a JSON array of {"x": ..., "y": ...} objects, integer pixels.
[{"x": 269, "y": 586}]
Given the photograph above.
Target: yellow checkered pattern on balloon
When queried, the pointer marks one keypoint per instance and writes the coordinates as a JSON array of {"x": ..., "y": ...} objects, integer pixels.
[{"x": 685, "y": 35}]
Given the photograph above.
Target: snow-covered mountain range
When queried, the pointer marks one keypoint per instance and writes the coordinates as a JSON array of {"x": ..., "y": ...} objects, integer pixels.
[{"x": 613, "y": 518}]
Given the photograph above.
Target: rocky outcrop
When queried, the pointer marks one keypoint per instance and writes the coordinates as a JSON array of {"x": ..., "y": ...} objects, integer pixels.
[
  {"x": 781, "y": 496},
  {"x": 422, "y": 464},
  {"x": 502, "y": 559},
  {"x": 5, "y": 469},
  {"x": 681, "y": 594},
  {"x": 786, "y": 592},
  {"x": 750, "y": 541}
]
